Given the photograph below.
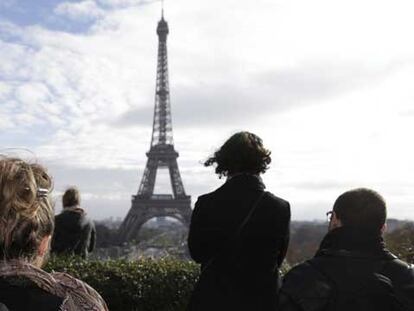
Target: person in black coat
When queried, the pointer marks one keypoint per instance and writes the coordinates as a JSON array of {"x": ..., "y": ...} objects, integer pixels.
[
  {"x": 352, "y": 269},
  {"x": 239, "y": 268},
  {"x": 75, "y": 233}
]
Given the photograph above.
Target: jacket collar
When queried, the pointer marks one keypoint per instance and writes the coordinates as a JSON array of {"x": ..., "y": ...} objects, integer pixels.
[
  {"x": 74, "y": 209},
  {"x": 245, "y": 180},
  {"x": 352, "y": 240}
]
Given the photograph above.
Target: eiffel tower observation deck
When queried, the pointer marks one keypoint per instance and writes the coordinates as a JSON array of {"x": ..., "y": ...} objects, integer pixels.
[{"x": 146, "y": 204}]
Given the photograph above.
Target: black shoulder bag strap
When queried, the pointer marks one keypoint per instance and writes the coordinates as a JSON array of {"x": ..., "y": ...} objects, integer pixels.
[{"x": 235, "y": 237}]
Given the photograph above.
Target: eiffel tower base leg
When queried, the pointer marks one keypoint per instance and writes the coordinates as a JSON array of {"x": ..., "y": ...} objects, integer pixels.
[{"x": 143, "y": 210}]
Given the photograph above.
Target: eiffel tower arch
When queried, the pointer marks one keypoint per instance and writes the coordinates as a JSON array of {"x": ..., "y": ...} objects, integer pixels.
[{"x": 146, "y": 204}]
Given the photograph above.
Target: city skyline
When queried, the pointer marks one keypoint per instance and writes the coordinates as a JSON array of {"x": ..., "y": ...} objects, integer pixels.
[{"x": 327, "y": 85}]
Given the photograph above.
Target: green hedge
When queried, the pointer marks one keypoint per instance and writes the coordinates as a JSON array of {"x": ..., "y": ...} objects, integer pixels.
[{"x": 162, "y": 285}]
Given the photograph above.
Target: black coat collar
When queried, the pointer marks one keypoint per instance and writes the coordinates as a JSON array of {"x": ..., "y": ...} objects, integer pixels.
[
  {"x": 247, "y": 181},
  {"x": 350, "y": 240}
]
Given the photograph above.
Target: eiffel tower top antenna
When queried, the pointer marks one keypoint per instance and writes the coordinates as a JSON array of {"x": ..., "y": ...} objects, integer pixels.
[{"x": 162, "y": 9}]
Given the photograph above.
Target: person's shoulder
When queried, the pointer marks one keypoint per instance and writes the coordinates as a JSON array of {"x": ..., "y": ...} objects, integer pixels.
[
  {"x": 86, "y": 222},
  {"x": 70, "y": 213},
  {"x": 300, "y": 270},
  {"x": 86, "y": 217},
  {"x": 63, "y": 213},
  {"x": 304, "y": 280},
  {"x": 275, "y": 200},
  {"x": 401, "y": 275},
  {"x": 83, "y": 296},
  {"x": 206, "y": 197},
  {"x": 59, "y": 216},
  {"x": 62, "y": 218},
  {"x": 400, "y": 271}
]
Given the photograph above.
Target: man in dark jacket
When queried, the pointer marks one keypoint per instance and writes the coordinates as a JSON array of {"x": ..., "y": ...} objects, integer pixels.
[
  {"x": 352, "y": 269},
  {"x": 74, "y": 232}
]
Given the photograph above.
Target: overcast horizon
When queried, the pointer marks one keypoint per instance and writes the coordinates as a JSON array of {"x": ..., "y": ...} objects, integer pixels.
[{"x": 327, "y": 84}]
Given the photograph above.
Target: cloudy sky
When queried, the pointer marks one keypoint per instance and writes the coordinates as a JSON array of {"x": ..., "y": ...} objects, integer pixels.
[{"x": 327, "y": 84}]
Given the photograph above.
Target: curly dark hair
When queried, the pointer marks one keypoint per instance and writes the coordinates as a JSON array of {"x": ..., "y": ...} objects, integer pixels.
[{"x": 241, "y": 153}]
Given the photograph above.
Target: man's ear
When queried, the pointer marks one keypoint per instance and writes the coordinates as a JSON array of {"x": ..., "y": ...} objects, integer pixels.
[
  {"x": 44, "y": 246},
  {"x": 335, "y": 222},
  {"x": 384, "y": 228}
]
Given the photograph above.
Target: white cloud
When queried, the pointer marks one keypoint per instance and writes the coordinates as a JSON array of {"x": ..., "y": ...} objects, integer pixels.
[
  {"x": 86, "y": 9},
  {"x": 4, "y": 91},
  {"x": 327, "y": 84},
  {"x": 124, "y": 3}
]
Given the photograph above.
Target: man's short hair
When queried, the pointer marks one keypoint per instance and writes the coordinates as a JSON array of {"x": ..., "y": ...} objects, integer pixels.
[
  {"x": 71, "y": 197},
  {"x": 361, "y": 208}
]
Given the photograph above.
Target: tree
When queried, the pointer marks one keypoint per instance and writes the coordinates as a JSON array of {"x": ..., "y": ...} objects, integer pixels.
[{"x": 401, "y": 242}]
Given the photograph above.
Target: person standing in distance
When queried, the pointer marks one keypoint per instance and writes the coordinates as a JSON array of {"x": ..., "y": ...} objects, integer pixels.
[
  {"x": 239, "y": 233},
  {"x": 75, "y": 233}
]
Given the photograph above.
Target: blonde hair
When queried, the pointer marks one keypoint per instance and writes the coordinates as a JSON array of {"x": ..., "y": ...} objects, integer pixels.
[{"x": 26, "y": 212}]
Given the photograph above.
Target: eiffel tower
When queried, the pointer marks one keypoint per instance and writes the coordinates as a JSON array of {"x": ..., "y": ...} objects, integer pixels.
[{"x": 146, "y": 204}]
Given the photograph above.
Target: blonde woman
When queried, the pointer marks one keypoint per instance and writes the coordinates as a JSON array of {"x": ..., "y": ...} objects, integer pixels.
[{"x": 26, "y": 227}]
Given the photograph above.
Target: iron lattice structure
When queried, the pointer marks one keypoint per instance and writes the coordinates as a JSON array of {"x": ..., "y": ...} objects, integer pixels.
[{"x": 146, "y": 204}]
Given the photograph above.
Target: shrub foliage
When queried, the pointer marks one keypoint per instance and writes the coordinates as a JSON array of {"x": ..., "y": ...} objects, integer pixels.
[
  {"x": 144, "y": 285},
  {"x": 401, "y": 242}
]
